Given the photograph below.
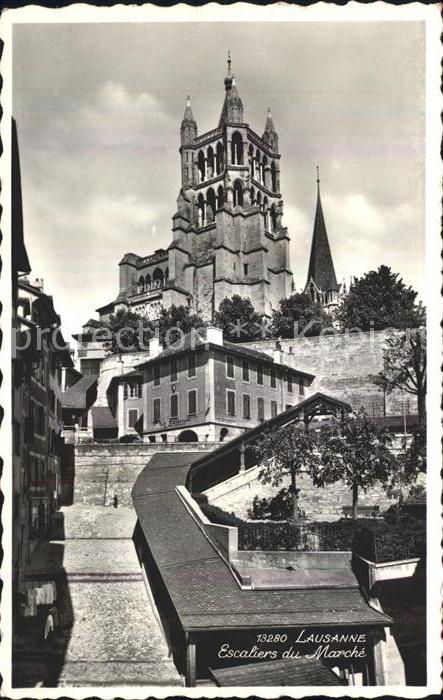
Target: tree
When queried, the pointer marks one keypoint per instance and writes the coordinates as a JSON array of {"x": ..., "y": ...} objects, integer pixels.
[
  {"x": 128, "y": 332},
  {"x": 299, "y": 314},
  {"x": 175, "y": 322},
  {"x": 404, "y": 367},
  {"x": 289, "y": 450},
  {"x": 356, "y": 450},
  {"x": 239, "y": 320},
  {"x": 380, "y": 299}
]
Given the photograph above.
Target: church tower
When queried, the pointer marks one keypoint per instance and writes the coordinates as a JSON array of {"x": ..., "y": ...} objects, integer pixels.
[
  {"x": 228, "y": 232},
  {"x": 228, "y": 235},
  {"x": 321, "y": 283}
]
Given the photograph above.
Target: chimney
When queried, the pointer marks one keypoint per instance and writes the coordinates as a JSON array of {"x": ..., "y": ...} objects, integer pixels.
[
  {"x": 214, "y": 335},
  {"x": 155, "y": 347}
]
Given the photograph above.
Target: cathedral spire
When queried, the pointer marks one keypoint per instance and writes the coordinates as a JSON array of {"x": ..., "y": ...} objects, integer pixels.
[
  {"x": 270, "y": 135},
  {"x": 232, "y": 110},
  {"x": 188, "y": 129},
  {"x": 321, "y": 273}
]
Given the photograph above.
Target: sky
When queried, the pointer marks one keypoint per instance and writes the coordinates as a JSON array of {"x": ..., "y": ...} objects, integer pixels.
[{"x": 98, "y": 110}]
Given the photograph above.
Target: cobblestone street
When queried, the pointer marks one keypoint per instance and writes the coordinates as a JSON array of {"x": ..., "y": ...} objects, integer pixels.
[{"x": 110, "y": 632}]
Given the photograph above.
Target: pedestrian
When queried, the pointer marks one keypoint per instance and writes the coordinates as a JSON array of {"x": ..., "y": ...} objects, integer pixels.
[{"x": 115, "y": 501}]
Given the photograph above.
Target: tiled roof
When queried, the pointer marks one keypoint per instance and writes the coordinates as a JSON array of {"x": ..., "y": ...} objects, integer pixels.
[
  {"x": 281, "y": 419},
  {"x": 289, "y": 672},
  {"x": 75, "y": 396},
  {"x": 197, "y": 339},
  {"x": 103, "y": 418},
  {"x": 203, "y": 589}
]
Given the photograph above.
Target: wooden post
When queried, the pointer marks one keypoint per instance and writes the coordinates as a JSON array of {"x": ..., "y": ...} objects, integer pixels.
[
  {"x": 242, "y": 457},
  {"x": 190, "y": 660}
]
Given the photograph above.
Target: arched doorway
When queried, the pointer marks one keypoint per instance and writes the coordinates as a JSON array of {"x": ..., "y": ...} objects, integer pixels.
[{"x": 188, "y": 436}]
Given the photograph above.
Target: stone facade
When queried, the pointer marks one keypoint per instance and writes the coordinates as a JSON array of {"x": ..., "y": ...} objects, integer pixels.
[{"x": 228, "y": 236}]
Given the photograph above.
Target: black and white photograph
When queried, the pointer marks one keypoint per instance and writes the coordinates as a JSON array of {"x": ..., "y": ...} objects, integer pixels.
[{"x": 221, "y": 267}]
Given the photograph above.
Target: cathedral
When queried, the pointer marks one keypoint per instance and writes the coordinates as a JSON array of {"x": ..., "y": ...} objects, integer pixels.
[{"x": 228, "y": 236}]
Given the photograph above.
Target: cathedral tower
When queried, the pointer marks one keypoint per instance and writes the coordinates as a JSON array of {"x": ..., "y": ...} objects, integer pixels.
[{"x": 228, "y": 232}]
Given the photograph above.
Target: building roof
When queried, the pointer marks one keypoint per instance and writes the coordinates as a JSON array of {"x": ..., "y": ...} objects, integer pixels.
[
  {"x": 203, "y": 590},
  {"x": 20, "y": 260},
  {"x": 196, "y": 339},
  {"x": 288, "y": 672},
  {"x": 76, "y": 395},
  {"x": 102, "y": 417},
  {"x": 321, "y": 267},
  {"x": 309, "y": 406}
]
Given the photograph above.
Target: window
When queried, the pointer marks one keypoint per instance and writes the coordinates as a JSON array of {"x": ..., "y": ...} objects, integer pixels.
[
  {"x": 132, "y": 417},
  {"x": 157, "y": 410},
  {"x": 39, "y": 420},
  {"x": 125, "y": 391},
  {"x": 174, "y": 406},
  {"x": 259, "y": 374},
  {"x": 290, "y": 384},
  {"x": 230, "y": 403},
  {"x": 301, "y": 386},
  {"x": 246, "y": 406},
  {"x": 192, "y": 402},
  {"x": 245, "y": 371},
  {"x": 288, "y": 406},
  {"x": 245, "y": 269},
  {"x": 260, "y": 409},
  {"x": 230, "y": 367},
  {"x": 273, "y": 409},
  {"x": 191, "y": 366},
  {"x": 157, "y": 375},
  {"x": 273, "y": 379},
  {"x": 173, "y": 370},
  {"x": 134, "y": 389}
]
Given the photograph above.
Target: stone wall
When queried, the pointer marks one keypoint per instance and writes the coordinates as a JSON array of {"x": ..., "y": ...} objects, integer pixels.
[
  {"x": 318, "y": 503},
  {"x": 343, "y": 365},
  {"x": 86, "y": 467}
]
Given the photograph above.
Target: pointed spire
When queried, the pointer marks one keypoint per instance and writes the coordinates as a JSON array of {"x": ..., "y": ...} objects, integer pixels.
[
  {"x": 188, "y": 127},
  {"x": 188, "y": 115},
  {"x": 321, "y": 267},
  {"x": 270, "y": 135},
  {"x": 232, "y": 110}
]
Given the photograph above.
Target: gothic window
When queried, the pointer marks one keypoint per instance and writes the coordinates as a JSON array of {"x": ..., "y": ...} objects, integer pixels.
[
  {"x": 265, "y": 212},
  {"x": 141, "y": 284},
  {"x": 148, "y": 282},
  {"x": 158, "y": 278},
  {"x": 219, "y": 158},
  {"x": 236, "y": 149},
  {"x": 201, "y": 210},
  {"x": 274, "y": 177},
  {"x": 251, "y": 161},
  {"x": 210, "y": 162},
  {"x": 238, "y": 194},
  {"x": 166, "y": 274},
  {"x": 258, "y": 202},
  {"x": 220, "y": 197},
  {"x": 252, "y": 196},
  {"x": 264, "y": 165},
  {"x": 210, "y": 205},
  {"x": 273, "y": 218},
  {"x": 201, "y": 165},
  {"x": 258, "y": 165}
]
